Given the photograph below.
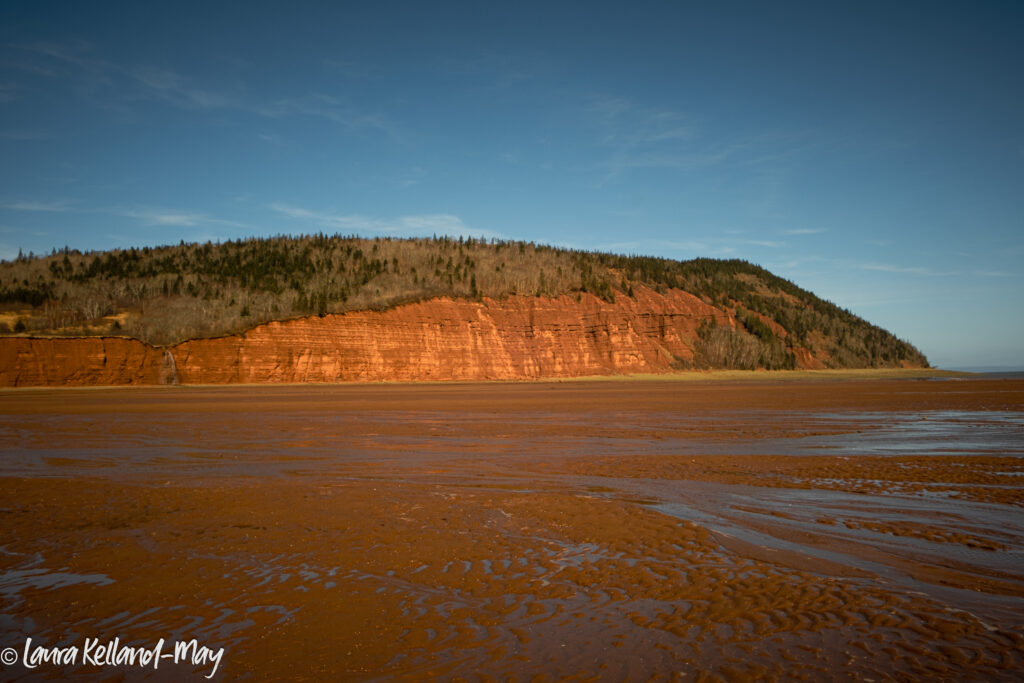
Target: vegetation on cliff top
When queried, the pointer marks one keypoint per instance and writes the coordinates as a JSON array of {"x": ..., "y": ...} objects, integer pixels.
[{"x": 164, "y": 295}]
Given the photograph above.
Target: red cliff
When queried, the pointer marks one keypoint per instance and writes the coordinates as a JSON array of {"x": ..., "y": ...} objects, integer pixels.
[
  {"x": 82, "y": 361},
  {"x": 440, "y": 339}
]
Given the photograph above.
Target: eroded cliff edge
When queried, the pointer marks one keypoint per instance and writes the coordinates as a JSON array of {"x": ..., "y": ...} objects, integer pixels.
[{"x": 440, "y": 339}]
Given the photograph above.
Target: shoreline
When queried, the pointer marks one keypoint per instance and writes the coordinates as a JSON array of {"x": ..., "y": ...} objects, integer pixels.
[{"x": 865, "y": 374}]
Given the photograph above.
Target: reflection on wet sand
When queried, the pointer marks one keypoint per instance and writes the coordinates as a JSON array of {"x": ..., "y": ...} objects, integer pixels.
[{"x": 606, "y": 531}]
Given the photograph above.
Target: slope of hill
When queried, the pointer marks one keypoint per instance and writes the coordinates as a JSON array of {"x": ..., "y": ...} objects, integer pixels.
[{"x": 699, "y": 313}]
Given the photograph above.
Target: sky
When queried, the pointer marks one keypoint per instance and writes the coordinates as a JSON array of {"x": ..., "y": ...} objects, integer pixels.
[{"x": 871, "y": 152}]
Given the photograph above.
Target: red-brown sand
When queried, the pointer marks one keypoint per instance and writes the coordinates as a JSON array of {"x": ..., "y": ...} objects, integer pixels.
[{"x": 818, "y": 530}]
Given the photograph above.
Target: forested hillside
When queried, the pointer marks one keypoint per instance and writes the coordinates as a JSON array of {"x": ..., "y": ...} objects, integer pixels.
[{"x": 165, "y": 295}]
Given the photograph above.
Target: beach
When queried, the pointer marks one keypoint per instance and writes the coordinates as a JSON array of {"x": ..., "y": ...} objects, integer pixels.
[{"x": 843, "y": 528}]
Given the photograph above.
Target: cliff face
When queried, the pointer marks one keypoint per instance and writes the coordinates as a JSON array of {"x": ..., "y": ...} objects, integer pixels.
[
  {"x": 83, "y": 361},
  {"x": 440, "y": 339}
]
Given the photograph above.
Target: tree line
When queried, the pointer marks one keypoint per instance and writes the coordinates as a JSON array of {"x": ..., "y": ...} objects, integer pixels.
[{"x": 163, "y": 295}]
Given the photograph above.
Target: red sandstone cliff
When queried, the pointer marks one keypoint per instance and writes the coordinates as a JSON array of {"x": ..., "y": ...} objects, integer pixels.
[
  {"x": 440, "y": 339},
  {"x": 83, "y": 361}
]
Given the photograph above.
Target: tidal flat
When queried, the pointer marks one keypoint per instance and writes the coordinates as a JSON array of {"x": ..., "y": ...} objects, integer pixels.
[{"x": 861, "y": 529}]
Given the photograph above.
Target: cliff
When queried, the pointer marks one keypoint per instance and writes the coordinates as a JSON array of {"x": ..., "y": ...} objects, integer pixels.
[
  {"x": 83, "y": 361},
  {"x": 440, "y": 339}
]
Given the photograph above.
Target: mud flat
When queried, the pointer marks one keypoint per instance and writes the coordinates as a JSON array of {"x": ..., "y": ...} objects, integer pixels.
[{"x": 797, "y": 530}]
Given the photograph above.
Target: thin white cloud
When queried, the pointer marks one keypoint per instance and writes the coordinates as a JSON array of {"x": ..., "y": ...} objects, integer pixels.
[
  {"x": 676, "y": 133},
  {"x": 177, "y": 90},
  {"x": 610, "y": 108},
  {"x": 638, "y": 137},
  {"x": 30, "y": 67},
  {"x": 906, "y": 270},
  {"x": 23, "y": 232},
  {"x": 804, "y": 231},
  {"x": 793, "y": 263},
  {"x": 272, "y": 138},
  {"x": 22, "y": 205},
  {"x": 163, "y": 217},
  {"x": 763, "y": 243},
  {"x": 90, "y": 75},
  {"x": 441, "y": 223},
  {"x": 96, "y": 75},
  {"x": 65, "y": 52},
  {"x": 128, "y": 84},
  {"x": 425, "y": 224},
  {"x": 166, "y": 217},
  {"x": 630, "y": 137},
  {"x": 333, "y": 109},
  {"x": 147, "y": 216}
]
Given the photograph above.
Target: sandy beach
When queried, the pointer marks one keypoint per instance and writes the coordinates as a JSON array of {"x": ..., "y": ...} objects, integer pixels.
[{"x": 836, "y": 529}]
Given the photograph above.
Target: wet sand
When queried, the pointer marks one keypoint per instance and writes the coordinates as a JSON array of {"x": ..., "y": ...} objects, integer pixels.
[{"x": 799, "y": 530}]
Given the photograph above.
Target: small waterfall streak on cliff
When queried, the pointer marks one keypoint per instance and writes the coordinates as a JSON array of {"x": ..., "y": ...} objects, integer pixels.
[{"x": 170, "y": 369}]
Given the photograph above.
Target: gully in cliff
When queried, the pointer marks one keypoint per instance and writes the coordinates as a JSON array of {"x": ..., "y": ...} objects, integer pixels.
[{"x": 169, "y": 370}]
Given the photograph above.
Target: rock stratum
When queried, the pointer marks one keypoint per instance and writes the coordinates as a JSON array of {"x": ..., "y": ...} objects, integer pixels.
[{"x": 516, "y": 338}]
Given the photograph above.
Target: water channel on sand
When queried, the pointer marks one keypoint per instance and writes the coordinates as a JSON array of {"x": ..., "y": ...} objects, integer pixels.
[{"x": 819, "y": 530}]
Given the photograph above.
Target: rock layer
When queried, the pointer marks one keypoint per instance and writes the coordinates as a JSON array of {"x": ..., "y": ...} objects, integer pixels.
[
  {"x": 439, "y": 339},
  {"x": 82, "y": 361}
]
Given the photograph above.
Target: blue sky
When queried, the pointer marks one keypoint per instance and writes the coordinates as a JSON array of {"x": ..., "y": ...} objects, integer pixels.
[{"x": 872, "y": 152}]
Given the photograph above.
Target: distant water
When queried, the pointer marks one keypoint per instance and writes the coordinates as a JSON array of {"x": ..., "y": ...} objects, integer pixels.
[{"x": 999, "y": 371}]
